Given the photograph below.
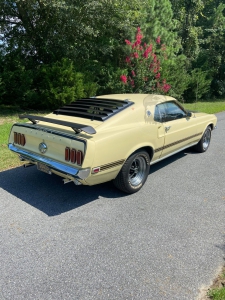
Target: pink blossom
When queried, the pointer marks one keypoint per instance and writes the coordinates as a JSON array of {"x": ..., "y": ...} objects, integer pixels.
[
  {"x": 133, "y": 73},
  {"x": 127, "y": 42},
  {"x": 139, "y": 37},
  {"x": 157, "y": 76},
  {"x": 150, "y": 48},
  {"x": 166, "y": 87},
  {"x": 123, "y": 78},
  {"x": 145, "y": 54},
  {"x": 147, "y": 51},
  {"x": 128, "y": 60},
  {"x": 135, "y": 54},
  {"x": 158, "y": 40},
  {"x": 138, "y": 42}
]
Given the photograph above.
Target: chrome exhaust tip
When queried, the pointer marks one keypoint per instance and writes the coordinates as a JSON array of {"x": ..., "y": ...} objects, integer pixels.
[{"x": 28, "y": 165}]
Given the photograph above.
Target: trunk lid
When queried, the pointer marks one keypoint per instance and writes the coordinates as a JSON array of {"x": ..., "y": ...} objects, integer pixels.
[{"x": 47, "y": 141}]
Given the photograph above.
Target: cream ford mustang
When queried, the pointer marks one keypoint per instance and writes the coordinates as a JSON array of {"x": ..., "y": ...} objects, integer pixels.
[{"x": 111, "y": 137}]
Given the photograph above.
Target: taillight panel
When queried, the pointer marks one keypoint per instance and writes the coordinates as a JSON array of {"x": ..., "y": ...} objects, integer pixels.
[
  {"x": 19, "y": 139},
  {"x": 74, "y": 156}
]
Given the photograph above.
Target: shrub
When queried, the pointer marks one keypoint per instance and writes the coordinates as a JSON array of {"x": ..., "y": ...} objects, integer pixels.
[
  {"x": 199, "y": 85},
  {"x": 174, "y": 70},
  {"x": 46, "y": 86}
]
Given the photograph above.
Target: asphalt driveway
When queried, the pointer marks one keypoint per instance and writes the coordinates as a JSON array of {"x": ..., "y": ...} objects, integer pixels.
[{"x": 75, "y": 242}]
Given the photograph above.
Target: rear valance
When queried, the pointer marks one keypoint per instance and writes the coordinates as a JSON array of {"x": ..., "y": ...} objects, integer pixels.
[{"x": 76, "y": 127}]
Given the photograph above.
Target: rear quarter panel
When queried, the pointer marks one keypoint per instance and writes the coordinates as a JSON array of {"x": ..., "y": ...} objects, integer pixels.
[
  {"x": 203, "y": 120},
  {"x": 114, "y": 146}
]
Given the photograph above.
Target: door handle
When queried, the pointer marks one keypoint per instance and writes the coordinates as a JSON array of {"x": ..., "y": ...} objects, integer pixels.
[{"x": 167, "y": 128}]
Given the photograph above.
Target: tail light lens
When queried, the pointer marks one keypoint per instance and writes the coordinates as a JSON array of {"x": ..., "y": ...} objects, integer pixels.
[
  {"x": 15, "y": 137},
  {"x": 23, "y": 140},
  {"x": 79, "y": 157},
  {"x": 67, "y": 154},
  {"x": 74, "y": 156},
  {"x": 19, "y": 139}
]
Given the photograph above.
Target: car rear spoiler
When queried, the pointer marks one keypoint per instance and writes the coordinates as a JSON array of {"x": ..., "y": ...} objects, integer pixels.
[{"x": 76, "y": 127}]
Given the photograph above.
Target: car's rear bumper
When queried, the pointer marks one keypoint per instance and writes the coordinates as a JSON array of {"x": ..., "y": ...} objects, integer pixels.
[{"x": 31, "y": 157}]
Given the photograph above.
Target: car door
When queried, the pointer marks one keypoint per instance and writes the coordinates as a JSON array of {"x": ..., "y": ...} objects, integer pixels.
[
  {"x": 160, "y": 139},
  {"x": 179, "y": 129}
]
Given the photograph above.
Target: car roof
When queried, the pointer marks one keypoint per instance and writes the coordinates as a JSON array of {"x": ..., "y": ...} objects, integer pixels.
[{"x": 150, "y": 99}]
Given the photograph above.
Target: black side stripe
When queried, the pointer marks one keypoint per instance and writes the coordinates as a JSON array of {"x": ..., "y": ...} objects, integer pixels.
[
  {"x": 177, "y": 142},
  {"x": 111, "y": 165}
]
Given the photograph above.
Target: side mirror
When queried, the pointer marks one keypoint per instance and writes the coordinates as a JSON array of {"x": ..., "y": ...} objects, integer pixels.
[{"x": 189, "y": 114}]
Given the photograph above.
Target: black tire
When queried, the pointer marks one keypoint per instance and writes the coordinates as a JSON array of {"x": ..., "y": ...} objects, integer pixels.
[
  {"x": 134, "y": 173},
  {"x": 204, "y": 142}
]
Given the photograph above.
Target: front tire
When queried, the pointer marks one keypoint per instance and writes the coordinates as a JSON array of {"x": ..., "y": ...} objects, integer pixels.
[
  {"x": 134, "y": 173},
  {"x": 204, "y": 143}
]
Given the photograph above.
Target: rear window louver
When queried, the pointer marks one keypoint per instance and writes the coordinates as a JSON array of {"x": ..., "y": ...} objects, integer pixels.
[{"x": 93, "y": 108}]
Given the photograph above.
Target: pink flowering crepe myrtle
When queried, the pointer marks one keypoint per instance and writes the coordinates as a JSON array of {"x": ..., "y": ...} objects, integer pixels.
[
  {"x": 143, "y": 65},
  {"x": 123, "y": 78}
]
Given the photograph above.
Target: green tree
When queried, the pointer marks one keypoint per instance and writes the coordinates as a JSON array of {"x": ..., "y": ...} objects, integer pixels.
[
  {"x": 49, "y": 30},
  {"x": 59, "y": 84},
  {"x": 175, "y": 72},
  {"x": 199, "y": 85},
  {"x": 35, "y": 33},
  {"x": 213, "y": 50},
  {"x": 157, "y": 20},
  {"x": 187, "y": 14}
]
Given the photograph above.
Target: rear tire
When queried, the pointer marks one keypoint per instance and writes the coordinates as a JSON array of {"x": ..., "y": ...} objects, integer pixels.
[
  {"x": 204, "y": 143},
  {"x": 134, "y": 173}
]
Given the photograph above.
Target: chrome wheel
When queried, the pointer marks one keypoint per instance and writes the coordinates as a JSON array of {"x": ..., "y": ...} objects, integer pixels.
[
  {"x": 204, "y": 142},
  {"x": 206, "y": 139},
  {"x": 137, "y": 171},
  {"x": 134, "y": 172}
]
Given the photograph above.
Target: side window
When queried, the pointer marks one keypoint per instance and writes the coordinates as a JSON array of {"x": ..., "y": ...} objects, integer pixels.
[
  {"x": 160, "y": 113},
  {"x": 157, "y": 117},
  {"x": 173, "y": 111}
]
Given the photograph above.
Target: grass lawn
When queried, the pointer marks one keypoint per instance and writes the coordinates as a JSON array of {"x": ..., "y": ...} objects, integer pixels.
[
  {"x": 217, "y": 290},
  {"x": 209, "y": 107},
  {"x": 217, "y": 294}
]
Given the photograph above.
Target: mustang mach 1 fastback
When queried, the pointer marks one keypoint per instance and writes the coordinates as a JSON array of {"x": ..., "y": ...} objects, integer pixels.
[{"x": 111, "y": 137}]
